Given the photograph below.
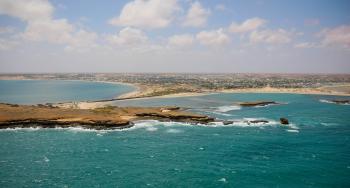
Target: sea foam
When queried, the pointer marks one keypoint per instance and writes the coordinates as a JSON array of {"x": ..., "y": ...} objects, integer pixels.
[
  {"x": 245, "y": 122},
  {"x": 152, "y": 125},
  {"x": 331, "y": 102},
  {"x": 227, "y": 108}
]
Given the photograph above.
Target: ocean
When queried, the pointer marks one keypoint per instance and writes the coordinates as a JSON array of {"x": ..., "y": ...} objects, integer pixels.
[{"x": 313, "y": 151}]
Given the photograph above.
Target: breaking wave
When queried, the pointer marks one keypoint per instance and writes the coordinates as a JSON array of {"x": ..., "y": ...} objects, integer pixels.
[
  {"x": 221, "y": 110},
  {"x": 245, "y": 122},
  {"x": 71, "y": 129},
  {"x": 332, "y": 102},
  {"x": 227, "y": 108},
  {"x": 329, "y": 124},
  {"x": 153, "y": 125},
  {"x": 268, "y": 105},
  {"x": 293, "y": 130}
]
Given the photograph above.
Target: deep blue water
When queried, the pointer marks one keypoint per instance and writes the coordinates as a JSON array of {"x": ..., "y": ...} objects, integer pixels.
[
  {"x": 46, "y": 91},
  {"x": 314, "y": 151}
]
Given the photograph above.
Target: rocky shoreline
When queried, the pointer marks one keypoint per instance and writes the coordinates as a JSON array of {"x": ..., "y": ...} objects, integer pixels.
[{"x": 105, "y": 118}]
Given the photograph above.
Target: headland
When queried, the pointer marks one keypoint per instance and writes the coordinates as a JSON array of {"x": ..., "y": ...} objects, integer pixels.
[{"x": 109, "y": 117}]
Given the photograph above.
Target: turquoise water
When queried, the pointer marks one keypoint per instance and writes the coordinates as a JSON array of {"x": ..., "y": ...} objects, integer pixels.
[
  {"x": 314, "y": 151},
  {"x": 46, "y": 91}
]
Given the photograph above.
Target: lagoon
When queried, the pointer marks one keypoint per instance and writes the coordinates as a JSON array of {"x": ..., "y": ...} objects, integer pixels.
[{"x": 50, "y": 91}]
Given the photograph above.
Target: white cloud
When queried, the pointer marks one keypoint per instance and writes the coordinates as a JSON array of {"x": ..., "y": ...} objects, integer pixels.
[
  {"x": 213, "y": 38},
  {"x": 305, "y": 45},
  {"x": 336, "y": 36},
  {"x": 196, "y": 16},
  {"x": 55, "y": 31},
  {"x": 247, "y": 26},
  {"x": 7, "y": 44},
  {"x": 7, "y": 29},
  {"x": 128, "y": 37},
  {"x": 147, "y": 14},
  {"x": 28, "y": 10},
  {"x": 42, "y": 27},
  {"x": 278, "y": 36},
  {"x": 82, "y": 41},
  {"x": 181, "y": 40}
]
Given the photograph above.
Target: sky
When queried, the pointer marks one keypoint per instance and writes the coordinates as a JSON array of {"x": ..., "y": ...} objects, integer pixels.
[{"x": 182, "y": 36}]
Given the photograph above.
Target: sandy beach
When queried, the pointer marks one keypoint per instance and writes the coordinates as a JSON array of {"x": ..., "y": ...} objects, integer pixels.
[
  {"x": 152, "y": 92},
  {"x": 143, "y": 92},
  {"x": 341, "y": 90},
  {"x": 331, "y": 90}
]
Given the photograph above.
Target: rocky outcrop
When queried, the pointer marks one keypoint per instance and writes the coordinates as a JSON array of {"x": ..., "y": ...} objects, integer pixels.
[
  {"x": 341, "y": 101},
  {"x": 257, "y": 103},
  {"x": 257, "y": 121},
  {"x": 227, "y": 122},
  {"x": 43, "y": 123},
  {"x": 284, "y": 121},
  {"x": 109, "y": 117},
  {"x": 171, "y": 108},
  {"x": 191, "y": 118}
]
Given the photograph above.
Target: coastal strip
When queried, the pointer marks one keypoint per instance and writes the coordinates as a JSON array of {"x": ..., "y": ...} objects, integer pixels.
[{"x": 141, "y": 94}]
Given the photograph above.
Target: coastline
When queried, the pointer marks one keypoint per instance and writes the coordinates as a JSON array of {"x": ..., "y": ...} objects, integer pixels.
[
  {"x": 141, "y": 90},
  {"x": 145, "y": 92},
  {"x": 304, "y": 91},
  {"x": 102, "y": 103},
  {"x": 135, "y": 95}
]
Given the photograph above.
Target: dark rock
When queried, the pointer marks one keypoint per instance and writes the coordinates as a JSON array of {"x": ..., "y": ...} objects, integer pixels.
[
  {"x": 257, "y": 103},
  {"x": 98, "y": 125},
  {"x": 177, "y": 117},
  {"x": 257, "y": 121},
  {"x": 341, "y": 101},
  {"x": 227, "y": 122},
  {"x": 284, "y": 121},
  {"x": 170, "y": 108}
]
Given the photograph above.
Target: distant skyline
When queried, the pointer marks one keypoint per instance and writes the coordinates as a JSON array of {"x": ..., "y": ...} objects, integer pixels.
[{"x": 222, "y": 36}]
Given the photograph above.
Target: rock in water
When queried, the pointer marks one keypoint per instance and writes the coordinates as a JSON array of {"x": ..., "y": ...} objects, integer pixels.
[
  {"x": 257, "y": 103},
  {"x": 284, "y": 121},
  {"x": 227, "y": 122},
  {"x": 258, "y": 121},
  {"x": 341, "y": 101}
]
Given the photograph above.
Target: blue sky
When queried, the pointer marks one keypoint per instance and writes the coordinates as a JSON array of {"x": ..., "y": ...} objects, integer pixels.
[{"x": 175, "y": 36}]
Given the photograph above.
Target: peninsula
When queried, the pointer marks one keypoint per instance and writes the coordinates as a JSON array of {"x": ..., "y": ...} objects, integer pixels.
[{"x": 109, "y": 117}]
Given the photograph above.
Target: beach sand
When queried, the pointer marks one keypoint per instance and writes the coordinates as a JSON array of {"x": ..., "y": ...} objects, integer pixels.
[{"x": 143, "y": 91}]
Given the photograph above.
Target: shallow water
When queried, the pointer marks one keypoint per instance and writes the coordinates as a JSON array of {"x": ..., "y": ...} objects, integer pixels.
[{"x": 314, "y": 151}]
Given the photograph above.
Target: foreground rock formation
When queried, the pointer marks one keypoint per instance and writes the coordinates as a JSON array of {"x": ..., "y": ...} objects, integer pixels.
[{"x": 12, "y": 116}]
